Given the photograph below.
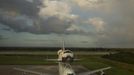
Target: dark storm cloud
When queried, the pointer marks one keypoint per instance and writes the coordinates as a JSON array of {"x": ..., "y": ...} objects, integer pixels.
[
  {"x": 7, "y": 29},
  {"x": 18, "y": 14},
  {"x": 18, "y": 23},
  {"x": 22, "y": 23},
  {"x": 105, "y": 23},
  {"x": 22, "y": 16},
  {"x": 20, "y": 6},
  {"x": 54, "y": 24},
  {"x": 4, "y": 27}
]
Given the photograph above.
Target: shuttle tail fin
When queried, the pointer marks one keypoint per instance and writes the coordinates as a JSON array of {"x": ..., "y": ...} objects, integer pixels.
[{"x": 63, "y": 45}]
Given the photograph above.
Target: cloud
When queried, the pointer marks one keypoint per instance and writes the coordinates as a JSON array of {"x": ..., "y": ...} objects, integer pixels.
[
  {"x": 23, "y": 23},
  {"x": 53, "y": 17},
  {"x": 20, "y": 6},
  {"x": 104, "y": 5},
  {"x": 4, "y": 27},
  {"x": 75, "y": 29},
  {"x": 97, "y": 22},
  {"x": 30, "y": 1},
  {"x": 119, "y": 28},
  {"x": 18, "y": 22},
  {"x": 55, "y": 8},
  {"x": 54, "y": 25},
  {"x": 63, "y": 16},
  {"x": 56, "y": 16}
]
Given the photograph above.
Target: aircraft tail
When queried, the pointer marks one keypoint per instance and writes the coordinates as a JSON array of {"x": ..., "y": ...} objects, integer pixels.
[{"x": 63, "y": 45}]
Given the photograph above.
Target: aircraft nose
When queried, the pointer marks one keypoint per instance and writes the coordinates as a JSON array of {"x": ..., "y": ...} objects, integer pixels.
[{"x": 69, "y": 59}]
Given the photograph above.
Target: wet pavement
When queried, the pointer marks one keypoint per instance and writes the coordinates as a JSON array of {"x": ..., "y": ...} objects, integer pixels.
[{"x": 43, "y": 69}]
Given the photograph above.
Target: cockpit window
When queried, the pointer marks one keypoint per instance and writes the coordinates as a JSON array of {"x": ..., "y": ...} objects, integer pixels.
[
  {"x": 70, "y": 74},
  {"x": 67, "y": 51}
]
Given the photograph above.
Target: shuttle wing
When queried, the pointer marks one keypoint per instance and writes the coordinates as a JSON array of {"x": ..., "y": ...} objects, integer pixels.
[
  {"x": 51, "y": 59},
  {"x": 95, "y": 71},
  {"x": 30, "y": 71},
  {"x": 59, "y": 60}
]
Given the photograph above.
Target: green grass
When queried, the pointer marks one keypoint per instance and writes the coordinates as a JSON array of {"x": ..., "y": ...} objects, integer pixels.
[
  {"x": 91, "y": 62},
  {"x": 118, "y": 68},
  {"x": 126, "y": 57},
  {"x": 24, "y": 59}
]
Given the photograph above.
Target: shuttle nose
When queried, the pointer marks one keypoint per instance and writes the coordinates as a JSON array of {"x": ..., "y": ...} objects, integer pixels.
[{"x": 68, "y": 59}]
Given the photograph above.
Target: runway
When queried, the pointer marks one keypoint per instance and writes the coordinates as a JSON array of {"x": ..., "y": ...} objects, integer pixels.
[{"x": 49, "y": 69}]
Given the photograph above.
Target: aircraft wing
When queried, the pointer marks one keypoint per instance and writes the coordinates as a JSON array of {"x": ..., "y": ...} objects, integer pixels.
[
  {"x": 30, "y": 71},
  {"x": 95, "y": 71},
  {"x": 60, "y": 60},
  {"x": 51, "y": 59}
]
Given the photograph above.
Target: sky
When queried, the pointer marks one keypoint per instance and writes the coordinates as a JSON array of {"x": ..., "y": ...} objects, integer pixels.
[{"x": 81, "y": 23}]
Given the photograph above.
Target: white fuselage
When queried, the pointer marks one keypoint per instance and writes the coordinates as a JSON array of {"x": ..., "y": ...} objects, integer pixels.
[
  {"x": 65, "y": 69},
  {"x": 65, "y": 57}
]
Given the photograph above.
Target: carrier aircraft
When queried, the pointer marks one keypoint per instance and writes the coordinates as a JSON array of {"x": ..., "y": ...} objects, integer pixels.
[{"x": 65, "y": 58}]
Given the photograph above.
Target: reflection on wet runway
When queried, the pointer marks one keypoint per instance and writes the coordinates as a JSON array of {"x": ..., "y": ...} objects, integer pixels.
[{"x": 43, "y": 69}]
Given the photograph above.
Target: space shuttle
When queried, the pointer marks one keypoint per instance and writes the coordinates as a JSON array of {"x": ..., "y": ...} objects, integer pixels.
[
  {"x": 65, "y": 55},
  {"x": 65, "y": 58}
]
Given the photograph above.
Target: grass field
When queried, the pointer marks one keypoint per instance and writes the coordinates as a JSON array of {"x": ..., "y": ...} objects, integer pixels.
[
  {"x": 118, "y": 68},
  {"x": 92, "y": 62},
  {"x": 127, "y": 57}
]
